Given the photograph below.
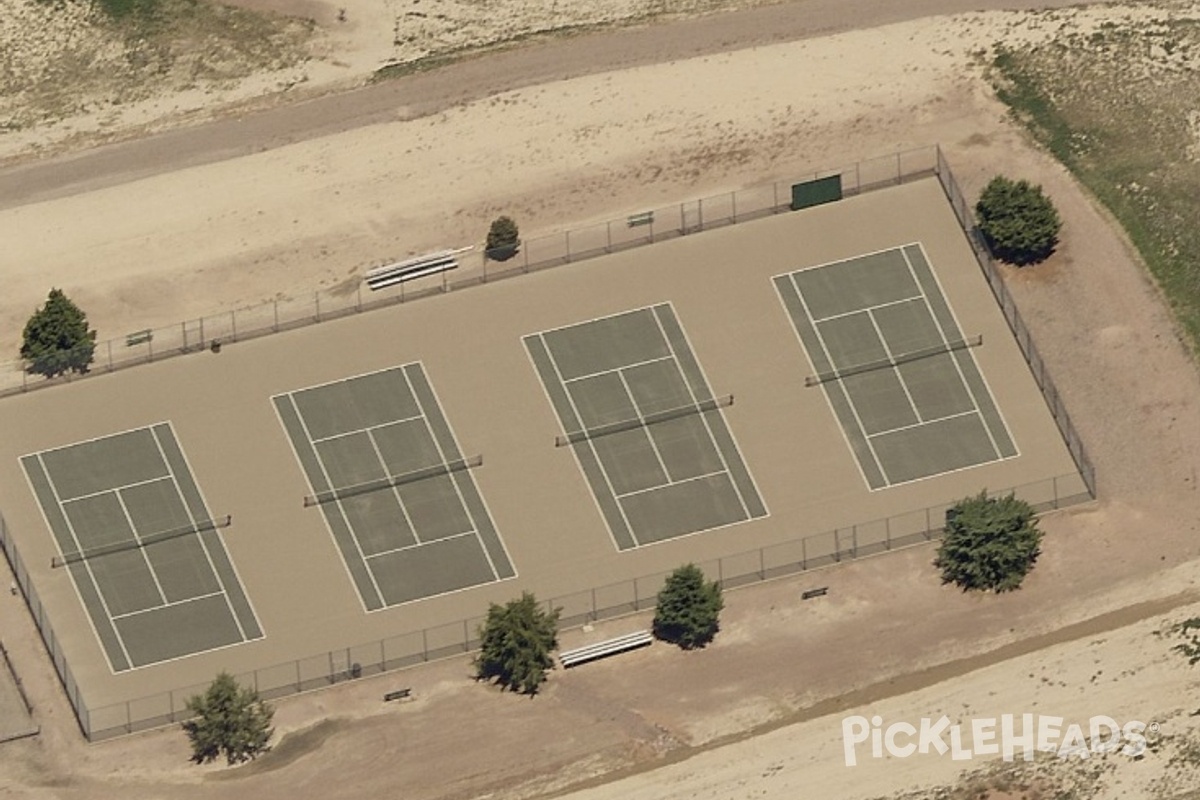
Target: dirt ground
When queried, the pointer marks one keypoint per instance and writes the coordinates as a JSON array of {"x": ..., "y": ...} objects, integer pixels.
[{"x": 888, "y": 639}]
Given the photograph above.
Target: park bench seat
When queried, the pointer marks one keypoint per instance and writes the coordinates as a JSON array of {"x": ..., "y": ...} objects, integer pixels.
[
  {"x": 591, "y": 652},
  {"x": 391, "y": 274}
]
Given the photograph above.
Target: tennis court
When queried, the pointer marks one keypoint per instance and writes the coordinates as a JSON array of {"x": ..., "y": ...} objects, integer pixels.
[
  {"x": 396, "y": 491},
  {"x": 644, "y": 425},
  {"x": 896, "y": 369},
  {"x": 142, "y": 549}
]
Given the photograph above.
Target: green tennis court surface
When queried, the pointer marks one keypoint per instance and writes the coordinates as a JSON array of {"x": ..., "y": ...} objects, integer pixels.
[
  {"x": 396, "y": 491},
  {"x": 647, "y": 431},
  {"x": 897, "y": 371},
  {"x": 141, "y": 547}
]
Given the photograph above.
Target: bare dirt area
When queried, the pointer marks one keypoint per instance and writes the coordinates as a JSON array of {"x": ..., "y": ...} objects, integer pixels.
[{"x": 758, "y": 713}]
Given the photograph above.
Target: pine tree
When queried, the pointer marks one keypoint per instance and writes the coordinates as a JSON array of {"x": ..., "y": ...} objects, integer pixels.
[
  {"x": 518, "y": 639},
  {"x": 989, "y": 543},
  {"x": 57, "y": 338},
  {"x": 688, "y": 608},
  {"x": 1019, "y": 222}
]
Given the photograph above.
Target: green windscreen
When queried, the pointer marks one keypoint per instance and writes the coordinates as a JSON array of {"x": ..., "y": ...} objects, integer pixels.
[{"x": 816, "y": 192}]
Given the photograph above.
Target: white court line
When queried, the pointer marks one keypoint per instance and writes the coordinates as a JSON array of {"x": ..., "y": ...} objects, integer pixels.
[
  {"x": 207, "y": 556},
  {"x": 895, "y": 367},
  {"x": 478, "y": 493},
  {"x": 927, "y": 422},
  {"x": 676, "y": 483},
  {"x": 368, "y": 428},
  {"x": 982, "y": 375},
  {"x": 868, "y": 308},
  {"x": 445, "y": 463},
  {"x": 707, "y": 428},
  {"x": 86, "y": 565},
  {"x": 395, "y": 489},
  {"x": 957, "y": 366},
  {"x": 92, "y": 440},
  {"x": 200, "y": 535},
  {"x": 592, "y": 447},
  {"x": 341, "y": 510},
  {"x": 141, "y": 549},
  {"x": 850, "y": 400},
  {"x": 168, "y": 605},
  {"x": 619, "y": 369},
  {"x": 600, "y": 318},
  {"x": 642, "y": 422},
  {"x": 431, "y": 541},
  {"x": 116, "y": 489}
]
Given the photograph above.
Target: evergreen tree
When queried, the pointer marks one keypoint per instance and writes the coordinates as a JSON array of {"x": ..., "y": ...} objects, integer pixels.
[
  {"x": 57, "y": 338},
  {"x": 503, "y": 239},
  {"x": 1018, "y": 221},
  {"x": 989, "y": 543},
  {"x": 688, "y": 608},
  {"x": 518, "y": 639}
]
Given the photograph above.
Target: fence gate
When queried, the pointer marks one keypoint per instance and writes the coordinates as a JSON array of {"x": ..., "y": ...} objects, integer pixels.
[
  {"x": 193, "y": 334},
  {"x": 691, "y": 216},
  {"x": 339, "y": 665}
]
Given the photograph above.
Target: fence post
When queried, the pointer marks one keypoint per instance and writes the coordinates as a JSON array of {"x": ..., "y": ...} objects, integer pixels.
[
  {"x": 887, "y": 532},
  {"x": 233, "y": 324},
  {"x": 275, "y": 328},
  {"x": 466, "y": 637},
  {"x": 567, "y": 244},
  {"x": 899, "y": 176},
  {"x": 804, "y": 553},
  {"x": 733, "y": 204},
  {"x": 775, "y": 192},
  {"x": 593, "y": 605},
  {"x": 317, "y": 302},
  {"x": 608, "y": 249},
  {"x": 110, "y": 363},
  {"x": 358, "y": 303},
  {"x": 762, "y": 566},
  {"x": 424, "y": 644},
  {"x": 700, "y": 214}
]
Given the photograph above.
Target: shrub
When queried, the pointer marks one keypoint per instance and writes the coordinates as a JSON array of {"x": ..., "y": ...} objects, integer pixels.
[
  {"x": 688, "y": 608},
  {"x": 517, "y": 639},
  {"x": 1018, "y": 221},
  {"x": 503, "y": 239},
  {"x": 990, "y": 543}
]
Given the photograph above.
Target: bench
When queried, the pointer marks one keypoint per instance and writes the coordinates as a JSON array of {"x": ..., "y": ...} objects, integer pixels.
[
  {"x": 644, "y": 218},
  {"x": 591, "y": 652},
  {"x": 392, "y": 274},
  {"x": 138, "y": 337},
  {"x": 809, "y": 594},
  {"x": 399, "y": 694}
]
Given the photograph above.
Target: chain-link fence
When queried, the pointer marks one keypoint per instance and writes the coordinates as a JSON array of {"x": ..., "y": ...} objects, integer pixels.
[
  {"x": 640, "y": 228},
  {"x": 1004, "y": 298},
  {"x": 604, "y": 602},
  {"x": 580, "y": 608}
]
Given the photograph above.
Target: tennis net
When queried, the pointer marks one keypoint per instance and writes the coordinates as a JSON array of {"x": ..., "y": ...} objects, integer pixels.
[
  {"x": 645, "y": 421},
  {"x": 887, "y": 363},
  {"x": 425, "y": 473},
  {"x": 140, "y": 541}
]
